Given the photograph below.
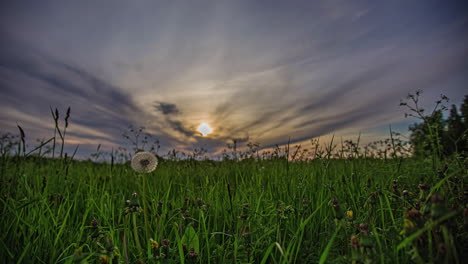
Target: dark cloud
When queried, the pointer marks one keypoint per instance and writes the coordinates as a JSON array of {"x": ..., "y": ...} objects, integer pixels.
[
  {"x": 31, "y": 82},
  {"x": 179, "y": 127},
  {"x": 61, "y": 85},
  {"x": 170, "y": 111},
  {"x": 166, "y": 108},
  {"x": 96, "y": 104}
]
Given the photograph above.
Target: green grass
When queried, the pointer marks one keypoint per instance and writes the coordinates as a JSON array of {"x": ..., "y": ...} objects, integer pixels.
[{"x": 269, "y": 211}]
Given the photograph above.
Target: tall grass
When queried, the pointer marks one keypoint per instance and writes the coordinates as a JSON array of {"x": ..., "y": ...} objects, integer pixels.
[
  {"x": 274, "y": 211},
  {"x": 348, "y": 204}
]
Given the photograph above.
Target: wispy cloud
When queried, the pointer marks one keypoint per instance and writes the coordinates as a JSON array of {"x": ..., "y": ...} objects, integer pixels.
[{"x": 253, "y": 71}]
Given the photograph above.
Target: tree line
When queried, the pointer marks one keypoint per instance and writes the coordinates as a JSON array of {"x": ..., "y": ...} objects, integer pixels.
[{"x": 436, "y": 134}]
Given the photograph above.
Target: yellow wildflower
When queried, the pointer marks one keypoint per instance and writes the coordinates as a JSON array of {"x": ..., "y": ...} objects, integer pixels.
[
  {"x": 349, "y": 214},
  {"x": 154, "y": 244},
  {"x": 408, "y": 224},
  {"x": 104, "y": 259}
]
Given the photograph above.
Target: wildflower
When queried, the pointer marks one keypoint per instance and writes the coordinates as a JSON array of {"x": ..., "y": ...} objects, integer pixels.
[
  {"x": 339, "y": 212},
  {"x": 355, "y": 242},
  {"x": 78, "y": 255},
  {"x": 336, "y": 205},
  {"x": 408, "y": 225},
  {"x": 104, "y": 259},
  {"x": 144, "y": 162},
  {"x": 154, "y": 244},
  {"x": 349, "y": 214},
  {"x": 364, "y": 228},
  {"x": 95, "y": 228},
  {"x": 412, "y": 213},
  {"x": 94, "y": 223},
  {"x": 132, "y": 206},
  {"x": 165, "y": 243},
  {"x": 192, "y": 255},
  {"x": 423, "y": 186}
]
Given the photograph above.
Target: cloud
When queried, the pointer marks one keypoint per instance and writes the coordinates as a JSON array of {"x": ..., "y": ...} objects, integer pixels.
[
  {"x": 302, "y": 71},
  {"x": 337, "y": 90},
  {"x": 32, "y": 81},
  {"x": 179, "y": 127},
  {"x": 166, "y": 108}
]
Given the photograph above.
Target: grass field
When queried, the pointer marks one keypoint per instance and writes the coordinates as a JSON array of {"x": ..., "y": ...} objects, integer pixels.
[{"x": 355, "y": 210}]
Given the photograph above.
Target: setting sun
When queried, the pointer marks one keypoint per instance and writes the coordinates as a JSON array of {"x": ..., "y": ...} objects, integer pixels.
[{"x": 205, "y": 129}]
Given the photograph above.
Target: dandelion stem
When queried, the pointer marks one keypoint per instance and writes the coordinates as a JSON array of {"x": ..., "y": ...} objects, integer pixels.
[
  {"x": 135, "y": 233},
  {"x": 144, "y": 208}
]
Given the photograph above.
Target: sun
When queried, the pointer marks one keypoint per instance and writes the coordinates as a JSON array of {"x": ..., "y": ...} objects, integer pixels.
[{"x": 204, "y": 129}]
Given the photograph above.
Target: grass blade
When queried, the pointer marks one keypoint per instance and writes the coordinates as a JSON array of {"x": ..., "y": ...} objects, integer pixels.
[
  {"x": 325, "y": 253},
  {"x": 416, "y": 234}
]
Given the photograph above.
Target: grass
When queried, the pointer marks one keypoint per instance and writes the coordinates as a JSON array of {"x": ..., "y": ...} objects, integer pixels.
[{"x": 249, "y": 211}]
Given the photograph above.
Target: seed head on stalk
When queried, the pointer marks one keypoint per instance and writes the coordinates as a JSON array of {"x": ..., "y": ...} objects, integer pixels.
[{"x": 144, "y": 162}]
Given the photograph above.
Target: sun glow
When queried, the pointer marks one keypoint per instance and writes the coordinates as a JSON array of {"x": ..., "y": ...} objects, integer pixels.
[{"x": 204, "y": 129}]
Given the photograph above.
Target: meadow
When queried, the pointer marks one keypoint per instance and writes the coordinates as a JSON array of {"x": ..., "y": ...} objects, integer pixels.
[{"x": 268, "y": 209}]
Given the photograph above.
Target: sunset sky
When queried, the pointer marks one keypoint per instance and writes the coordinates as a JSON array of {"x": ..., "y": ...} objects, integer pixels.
[{"x": 260, "y": 71}]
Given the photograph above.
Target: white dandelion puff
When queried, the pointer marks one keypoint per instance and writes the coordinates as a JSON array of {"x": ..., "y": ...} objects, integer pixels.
[{"x": 145, "y": 162}]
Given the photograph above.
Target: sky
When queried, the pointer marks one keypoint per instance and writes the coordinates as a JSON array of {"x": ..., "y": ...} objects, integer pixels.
[{"x": 255, "y": 71}]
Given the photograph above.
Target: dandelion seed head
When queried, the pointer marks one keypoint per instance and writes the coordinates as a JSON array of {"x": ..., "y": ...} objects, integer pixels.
[{"x": 145, "y": 162}]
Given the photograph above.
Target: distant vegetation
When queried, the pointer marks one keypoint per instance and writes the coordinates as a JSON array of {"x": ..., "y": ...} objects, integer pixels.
[
  {"x": 390, "y": 201},
  {"x": 434, "y": 134}
]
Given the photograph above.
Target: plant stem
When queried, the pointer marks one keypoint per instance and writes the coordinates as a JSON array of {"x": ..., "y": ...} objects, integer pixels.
[
  {"x": 135, "y": 233},
  {"x": 144, "y": 208}
]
